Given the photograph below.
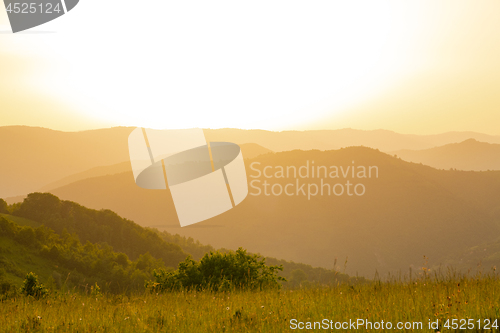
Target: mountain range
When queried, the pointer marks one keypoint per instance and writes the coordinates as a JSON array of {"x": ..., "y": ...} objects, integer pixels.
[
  {"x": 467, "y": 155},
  {"x": 407, "y": 212},
  {"x": 38, "y": 157}
]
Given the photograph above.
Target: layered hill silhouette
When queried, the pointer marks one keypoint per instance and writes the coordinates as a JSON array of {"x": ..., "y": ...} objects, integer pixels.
[
  {"x": 467, "y": 155},
  {"x": 249, "y": 150},
  {"x": 409, "y": 211},
  {"x": 38, "y": 158},
  {"x": 94, "y": 172},
  {"x": 383, "y": 140}
]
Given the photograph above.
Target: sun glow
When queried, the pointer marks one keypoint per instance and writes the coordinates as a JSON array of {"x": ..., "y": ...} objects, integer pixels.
[
  {"x": 270, "y": 65},
  {"x": 220, "y": 64}
]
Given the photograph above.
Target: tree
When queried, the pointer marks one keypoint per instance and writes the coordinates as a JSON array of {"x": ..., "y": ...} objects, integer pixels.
[
  {"x": 297, "y": 276},
  {"x": 4, "y": 208},
  {"x": 122, "y": 259},
  {"x": 7, "y": 228},
  {"x": 26, "y": 236},
  {"x": 219, "y": 271},
  {"x": 39, "y": 206}
]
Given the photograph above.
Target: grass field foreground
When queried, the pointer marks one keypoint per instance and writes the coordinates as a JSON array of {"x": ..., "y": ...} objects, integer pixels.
[{"x": 476, "y": 298}]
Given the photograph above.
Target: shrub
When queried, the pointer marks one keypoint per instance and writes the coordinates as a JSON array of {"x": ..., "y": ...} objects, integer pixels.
[
  {"x": 219, "y": 271},
  {"x": 95, "y": 290},
  {"x": 31, "y": 287}
]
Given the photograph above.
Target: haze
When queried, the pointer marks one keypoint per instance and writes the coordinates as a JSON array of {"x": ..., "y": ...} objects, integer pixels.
[{"x": 418, "y": 67}]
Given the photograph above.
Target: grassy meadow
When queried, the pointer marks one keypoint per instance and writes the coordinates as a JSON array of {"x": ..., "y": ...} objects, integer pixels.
[{"x": 476, "y": 298}]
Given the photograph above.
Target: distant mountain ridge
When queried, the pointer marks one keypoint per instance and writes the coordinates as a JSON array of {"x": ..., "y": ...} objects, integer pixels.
[
  {"x": 35, "y": 157},
  {"x": 249, "y": 150},
  {"x": 94, "y": 172},
  {"x": 383, "y": 140},
  {"x": 469, "y": 155}
]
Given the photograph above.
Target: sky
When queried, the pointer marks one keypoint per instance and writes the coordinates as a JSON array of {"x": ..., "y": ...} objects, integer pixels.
[{"x": 421, "y": 67}]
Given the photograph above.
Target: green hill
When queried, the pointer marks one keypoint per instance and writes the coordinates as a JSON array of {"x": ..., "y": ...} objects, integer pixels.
[
  {"x": 62, "y": 261},
  {"x": 105, "y": 232},
  {"x": 95, "y": 226}
]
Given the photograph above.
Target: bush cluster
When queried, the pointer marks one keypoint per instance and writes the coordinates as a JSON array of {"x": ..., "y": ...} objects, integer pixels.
[
  {"x": 219, "y": 272},
  {"x": 31, "y": 287}
]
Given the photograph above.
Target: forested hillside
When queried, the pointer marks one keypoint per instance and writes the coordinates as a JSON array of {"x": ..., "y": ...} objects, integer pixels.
[
  {"x": 63, "y": 261},
  {"x": 71, "y": 246},
  {"x": 95, "y": 226}
]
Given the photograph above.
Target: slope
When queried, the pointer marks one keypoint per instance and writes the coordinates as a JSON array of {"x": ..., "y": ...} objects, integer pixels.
[
  {"x": 93, "y": 172},
  {"x": 409, "y": 211},
  {"x": 99, "y": 261},
  {"x": 94, "y": 226},
  {"x": 63, "y": 262},
  {"x": 249, "y": 150},
  {"x": 38, "y": 156},
  {"x": 467, "y": 155}
]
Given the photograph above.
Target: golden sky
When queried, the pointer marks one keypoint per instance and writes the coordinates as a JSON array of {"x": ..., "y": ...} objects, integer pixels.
[{"x": 409, "y": 66}]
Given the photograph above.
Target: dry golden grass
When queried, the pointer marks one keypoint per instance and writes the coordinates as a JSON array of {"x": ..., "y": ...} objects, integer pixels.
[{"x": 267, "y": 311}]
